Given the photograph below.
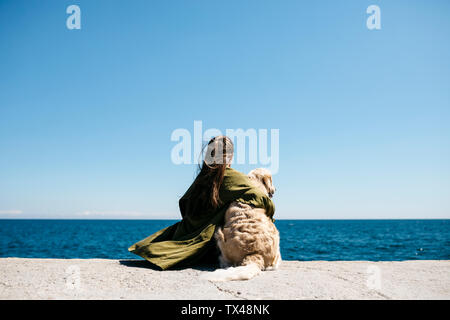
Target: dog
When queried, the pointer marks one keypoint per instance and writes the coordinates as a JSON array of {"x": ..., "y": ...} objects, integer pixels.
[{"x": 249, "y": 242}]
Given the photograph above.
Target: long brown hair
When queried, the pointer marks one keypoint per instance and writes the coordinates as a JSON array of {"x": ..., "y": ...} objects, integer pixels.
[{"x": 218, "y": 156}]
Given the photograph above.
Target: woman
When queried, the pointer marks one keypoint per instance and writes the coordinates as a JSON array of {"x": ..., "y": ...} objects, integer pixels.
[{"x": 191, "y": 240}]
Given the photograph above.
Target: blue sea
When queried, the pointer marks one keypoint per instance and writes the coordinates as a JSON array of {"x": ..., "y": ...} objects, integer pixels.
[{"x": 374, "y": 240}]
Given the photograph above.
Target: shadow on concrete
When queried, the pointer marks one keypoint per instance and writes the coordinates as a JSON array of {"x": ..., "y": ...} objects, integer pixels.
[
  {"x": 148, "y": 265},
  {"x": 139, "y": 264}
]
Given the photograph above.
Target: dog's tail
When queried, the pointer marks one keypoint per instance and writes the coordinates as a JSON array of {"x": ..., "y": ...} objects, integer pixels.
[
  {"x": 233, "y": 273},
  {"x": 252, "y": 266}
]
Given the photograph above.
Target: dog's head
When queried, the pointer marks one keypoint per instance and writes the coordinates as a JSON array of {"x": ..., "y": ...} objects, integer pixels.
[{"x": 263, "y": 178}]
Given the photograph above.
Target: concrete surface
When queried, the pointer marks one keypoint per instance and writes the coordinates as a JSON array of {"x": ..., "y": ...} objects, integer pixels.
[{"x": 132, "y": 279}]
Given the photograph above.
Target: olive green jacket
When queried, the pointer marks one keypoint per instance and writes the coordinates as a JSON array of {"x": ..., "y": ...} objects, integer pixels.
[{"x": 191, "y": 240}]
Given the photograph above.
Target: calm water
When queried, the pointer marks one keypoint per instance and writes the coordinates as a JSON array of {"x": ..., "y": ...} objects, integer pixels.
[{"x": 300, "y": 239}]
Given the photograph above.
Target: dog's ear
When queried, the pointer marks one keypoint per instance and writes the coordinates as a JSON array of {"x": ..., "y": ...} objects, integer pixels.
[{"x": 267, "y": 181}]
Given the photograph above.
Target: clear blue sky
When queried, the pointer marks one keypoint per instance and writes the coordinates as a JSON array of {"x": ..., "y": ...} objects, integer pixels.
[{"x": 86, "y": 115}]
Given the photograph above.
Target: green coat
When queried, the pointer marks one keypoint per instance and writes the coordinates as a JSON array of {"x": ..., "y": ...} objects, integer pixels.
[{"x": 191, "y": 240}]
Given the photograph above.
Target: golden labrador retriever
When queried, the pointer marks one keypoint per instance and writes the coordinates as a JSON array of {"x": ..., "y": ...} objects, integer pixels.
[{"x": 249, "y": 242}]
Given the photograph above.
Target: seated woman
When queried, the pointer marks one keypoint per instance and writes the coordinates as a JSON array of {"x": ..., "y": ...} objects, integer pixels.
[{"x": 191, "y": 241}]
